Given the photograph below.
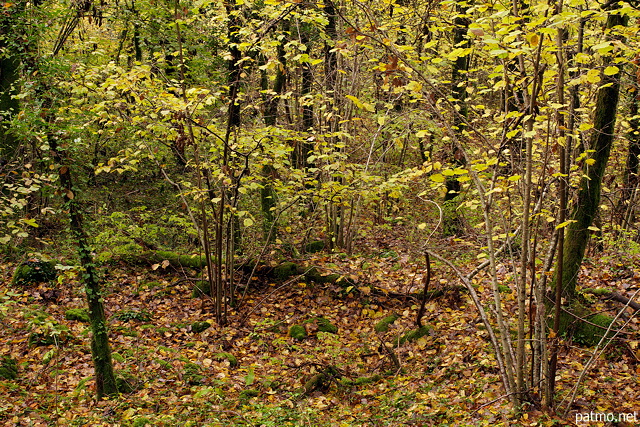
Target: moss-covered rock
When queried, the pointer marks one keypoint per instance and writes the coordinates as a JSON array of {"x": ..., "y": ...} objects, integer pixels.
[
  {"x": 587, "y": 333},
  {"x": 325, "y": 326},
  {"x": 34, "y": 271},
  {"x": 198, "y": 327},
  {"x": 127, "y": 383},
  {"x": 201, "y": 288},
  {"x": 77, "y": 314},
  {"x": 298, "y": 332},
  {"x": 383, "y": 324},
  {"x": 413, "y": 335},
  {"x": 361, "y": 380},
  {"x": 8, "y": 368},
  {"x": 233, "y": 361},
  {"x": 285, "y": 270},
  {"x": 191, "y": 374},
  {"x": 314, "y": 247}
]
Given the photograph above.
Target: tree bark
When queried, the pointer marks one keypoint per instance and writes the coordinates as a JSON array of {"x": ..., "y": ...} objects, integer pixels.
[
  {"x": 577, "y": 233},
  {"x": 100, "y": 350},
  {"x": 452, "y": 224}
]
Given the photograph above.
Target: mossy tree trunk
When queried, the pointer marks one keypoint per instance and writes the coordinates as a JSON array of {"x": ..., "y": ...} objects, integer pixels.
[
  {"x": 452, "y": 224},
  {"x": 588, "y": 200},
  {"x": 100, "y": 349}
]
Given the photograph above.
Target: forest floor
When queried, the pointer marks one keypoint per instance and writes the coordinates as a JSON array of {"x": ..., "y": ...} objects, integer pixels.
[{"x": 183, "y": 378}]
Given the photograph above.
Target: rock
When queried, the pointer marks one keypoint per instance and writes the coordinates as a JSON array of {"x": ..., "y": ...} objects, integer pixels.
[
  {"x": 198, "y": 327},
  {"x": 383, "y": 325},
  {"x": 298, "y": 332},
  {"x": 34, "y": 271}
]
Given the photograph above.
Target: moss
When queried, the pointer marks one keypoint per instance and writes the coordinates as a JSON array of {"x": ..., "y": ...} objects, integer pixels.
[
  {"x": 128, "y": 315},
  {"x": 177, "y": 260},
  {"x": 319, "y": 381},
  {"x": 504, "y": 289},
  {"x": 325, "y": 326},
  {"x": 314, "y": 247},
  {"x": 298, "y": 332},
  {"x": 361, "y": 381},
  {"x": 192, "y": 375},
  {"x": 34, "y": 271},
  {"x": 77, "y": 314},
  {"x": 8, "y": 368},
  {"x": 285, "y": 270},
  {"x": 141, "y": 422},
  {"x": 37, "y": 339},
  {"x": 590, "y": 333},
  {"x": 127, "y": 383},
  {"x": 198, "y": 327},
  {"x": 587, "y": 333},
  {"x": 413, "y": 335},
  {"x": 233, "y": 361},
  {"x": 383, "y": 325},
  {"x": 201, "y": 288}
]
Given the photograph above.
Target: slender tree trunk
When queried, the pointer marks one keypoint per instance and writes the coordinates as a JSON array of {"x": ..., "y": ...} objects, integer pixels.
[
  {"x": 100, "y": 349},
  {"x": 577, "y": 233},
  {"x": 267, "y": 193},
  {"x": 630, "y": 179}
]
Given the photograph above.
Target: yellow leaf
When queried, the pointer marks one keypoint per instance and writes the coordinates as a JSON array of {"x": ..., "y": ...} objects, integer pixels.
[
  {"x": 593, "y": 76},
  {"x": 437, "y": 177},
  {"x": 414, "y": 86},
  {"x": 422, "y": 226},
  {"x": 611, "y": 70},
  {"x": 381, "y": 120},
  {"x": 564, "y": 224}
]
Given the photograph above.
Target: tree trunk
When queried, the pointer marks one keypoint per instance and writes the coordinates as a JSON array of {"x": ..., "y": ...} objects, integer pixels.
[
  {"x": 577, "y": 233},
  {"x": 100, "y": 349},
  {"x": 9, "y": 75},
  {"x": 452, "y": 224}
]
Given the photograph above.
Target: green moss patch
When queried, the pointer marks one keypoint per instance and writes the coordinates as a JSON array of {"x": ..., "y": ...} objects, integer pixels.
[
  {"x": 77, "y": 314},
  {"x": 298, "y": 332},
  {"x": 325, "y": 325},
  {"x": 34, "y": 271},
  {"x": 383, "y": 324},
  {"x": 233, "y": 361},
  {"x": 8, "y": 368},
  {"x": 413, "y": 335},
  {"x": 198, "y": 327}
]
